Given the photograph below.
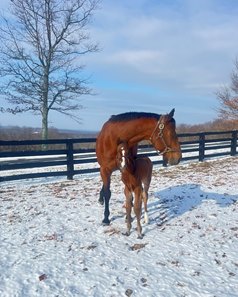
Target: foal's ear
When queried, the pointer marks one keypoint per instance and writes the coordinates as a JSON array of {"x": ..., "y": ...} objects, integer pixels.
[{"x": 171, "y": 114}]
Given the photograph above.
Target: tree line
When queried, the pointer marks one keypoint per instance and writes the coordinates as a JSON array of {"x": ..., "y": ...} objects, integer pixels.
[
  {"x": 29, "y": 133},
  {"x": 215, "y": 125}
]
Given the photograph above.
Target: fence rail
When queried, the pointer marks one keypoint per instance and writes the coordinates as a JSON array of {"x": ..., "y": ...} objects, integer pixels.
[{"x": 75, "y": 158}]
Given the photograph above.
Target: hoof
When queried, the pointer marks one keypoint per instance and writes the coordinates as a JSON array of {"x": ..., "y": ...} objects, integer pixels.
[
  {"x": 127, "y": 233},
  {"x": 106, "y": 222},
  {"x": 101, "y": 201},
  {"x": 146, "y": 218},
  {"x": 146, "y": 222},
  {"x": 140, "y": 236},
  {"x": 127, "y": 220}
]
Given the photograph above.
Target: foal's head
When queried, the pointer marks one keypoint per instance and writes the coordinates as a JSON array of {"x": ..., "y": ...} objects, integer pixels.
[{"x": 125, "y": 159}]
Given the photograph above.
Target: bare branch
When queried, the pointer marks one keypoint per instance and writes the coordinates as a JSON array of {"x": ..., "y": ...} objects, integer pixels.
[
  {"x": 228, "y": 98},
  {"x": 39, "y": 55}
]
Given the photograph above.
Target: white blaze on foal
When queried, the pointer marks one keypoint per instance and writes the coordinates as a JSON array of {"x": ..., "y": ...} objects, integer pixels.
[{"x": 123, "y": 162}]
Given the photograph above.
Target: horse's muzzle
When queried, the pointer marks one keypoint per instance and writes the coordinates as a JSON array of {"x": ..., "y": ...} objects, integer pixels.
[
  {"x": 172, "y": 158},
  {"x": 174, "y": 161}
]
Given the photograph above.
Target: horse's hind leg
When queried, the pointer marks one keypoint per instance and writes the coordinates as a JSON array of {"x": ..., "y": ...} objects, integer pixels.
[
  {"x": 106, "y": 193},
  {"x": 107, "y": 196}
]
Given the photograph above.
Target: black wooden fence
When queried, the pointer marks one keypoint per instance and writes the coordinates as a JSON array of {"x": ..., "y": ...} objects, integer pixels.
[{"x": 69, "y": 157}]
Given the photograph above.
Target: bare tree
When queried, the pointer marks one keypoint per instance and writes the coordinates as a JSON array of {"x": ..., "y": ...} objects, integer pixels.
[
  {"x": 42, "y": 45},
  {"x": 228, "y": 98}
]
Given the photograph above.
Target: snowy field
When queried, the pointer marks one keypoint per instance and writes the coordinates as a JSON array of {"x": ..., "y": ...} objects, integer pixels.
[{"x": 52, "y": 242}]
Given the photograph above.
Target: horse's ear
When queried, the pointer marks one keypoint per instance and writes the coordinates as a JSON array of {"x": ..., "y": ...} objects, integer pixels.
[{"x": 171, "y": 114}]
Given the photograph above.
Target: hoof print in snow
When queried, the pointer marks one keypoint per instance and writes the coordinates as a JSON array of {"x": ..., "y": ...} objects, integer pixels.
[
  {"x": 144, "y": 282},
  {"x": 42, "y": 277},
  {"x": 91, "y": 247},
  {"x": 137, "y": 246},
  {"x": 129, "y": 292}
]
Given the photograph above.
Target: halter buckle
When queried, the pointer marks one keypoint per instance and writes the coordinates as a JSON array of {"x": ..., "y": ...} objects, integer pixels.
[{"x": 161, "y": 126}]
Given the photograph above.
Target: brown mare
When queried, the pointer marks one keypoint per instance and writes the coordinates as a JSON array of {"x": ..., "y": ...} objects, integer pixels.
[
  {"x": 133, "y": 127},
  {"x": 136, "y": 175}
]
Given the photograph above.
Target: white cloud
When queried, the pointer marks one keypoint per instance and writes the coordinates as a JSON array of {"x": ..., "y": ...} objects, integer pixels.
[
  {"x": 141, "y": 59},
  {"x": 173, "y": 43}
]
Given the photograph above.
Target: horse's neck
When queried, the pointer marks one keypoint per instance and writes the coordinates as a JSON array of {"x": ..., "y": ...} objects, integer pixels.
[{"x": 142, "y": 132}]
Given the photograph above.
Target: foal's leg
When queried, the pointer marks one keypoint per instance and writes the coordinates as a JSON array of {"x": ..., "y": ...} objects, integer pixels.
[
  {"x": 137, "y": 210},
  {"x": 106, "y": 177},
  {"x": 146, "y": 182},
  {"x": 145, "y": 199},
  {"x": 128, "y": 209}
]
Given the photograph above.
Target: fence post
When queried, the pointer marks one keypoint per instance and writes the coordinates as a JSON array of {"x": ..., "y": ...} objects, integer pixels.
[
  {"x": 164, "y": 164},
  {"x": 234, "y": 142},
  {"x": 70, "y": 159},
  {"x": 201, "y": 147}
]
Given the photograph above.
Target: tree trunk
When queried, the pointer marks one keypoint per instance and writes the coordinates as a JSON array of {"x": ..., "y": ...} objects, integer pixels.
[
  {"x": 44, "y": 127},
  {"x": 45, "y": 110}
]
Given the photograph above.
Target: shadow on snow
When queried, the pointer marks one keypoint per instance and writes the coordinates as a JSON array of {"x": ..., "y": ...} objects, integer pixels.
[{"x": 175, "y": 201}]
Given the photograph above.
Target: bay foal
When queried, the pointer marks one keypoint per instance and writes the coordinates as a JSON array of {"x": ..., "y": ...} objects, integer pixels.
[{"x": 136, "y": 175}]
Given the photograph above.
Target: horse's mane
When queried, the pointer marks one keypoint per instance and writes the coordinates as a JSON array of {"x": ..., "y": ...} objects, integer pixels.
[{"x": 127, "y": 116}]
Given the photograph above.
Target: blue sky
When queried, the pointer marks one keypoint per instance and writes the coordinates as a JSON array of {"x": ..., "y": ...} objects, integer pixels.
[{"x": 155, "y": 56}]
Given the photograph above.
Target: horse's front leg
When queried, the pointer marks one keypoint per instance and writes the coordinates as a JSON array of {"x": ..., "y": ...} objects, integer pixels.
[
  {"x": 106, "y": 193},
  {"x": 101, "y": 196},
  {"x": 137, "y": 210}
]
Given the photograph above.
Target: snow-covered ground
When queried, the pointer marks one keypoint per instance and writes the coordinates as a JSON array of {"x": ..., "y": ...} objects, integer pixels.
[{"x": 52, "y": 242}]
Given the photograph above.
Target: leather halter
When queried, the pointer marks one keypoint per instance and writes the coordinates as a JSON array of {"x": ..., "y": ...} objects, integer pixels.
[{"x": 160, "y": 125}]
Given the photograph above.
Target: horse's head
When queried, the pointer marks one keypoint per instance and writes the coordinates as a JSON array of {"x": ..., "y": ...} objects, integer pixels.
[{"x": 165, "y": 139}]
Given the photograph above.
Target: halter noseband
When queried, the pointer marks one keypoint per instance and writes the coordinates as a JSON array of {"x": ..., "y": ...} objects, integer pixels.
[{"x": 160, "y": 125}]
